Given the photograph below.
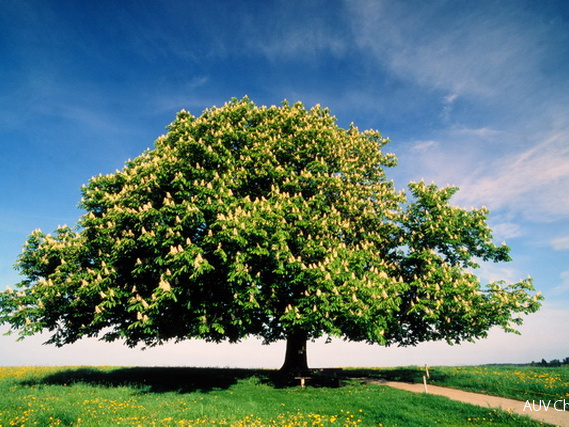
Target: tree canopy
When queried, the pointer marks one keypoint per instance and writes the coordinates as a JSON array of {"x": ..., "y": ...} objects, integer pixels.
[{"x": 266, "y": 221}]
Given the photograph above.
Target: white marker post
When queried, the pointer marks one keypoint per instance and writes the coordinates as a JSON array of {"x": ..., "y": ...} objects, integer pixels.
[{"x": 425, "y": 378}]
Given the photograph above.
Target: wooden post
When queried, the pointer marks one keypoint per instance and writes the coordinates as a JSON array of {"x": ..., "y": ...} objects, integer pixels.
[
  {"x": 425, "y": 378},
  {"x": 302, "y": 381}
]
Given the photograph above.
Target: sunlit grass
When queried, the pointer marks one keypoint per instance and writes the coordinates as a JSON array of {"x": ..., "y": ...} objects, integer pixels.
[
  {"x": 189, "y": 397},
  {"x": 515, "y": 382},
  {"x": 511, "y": 381}
]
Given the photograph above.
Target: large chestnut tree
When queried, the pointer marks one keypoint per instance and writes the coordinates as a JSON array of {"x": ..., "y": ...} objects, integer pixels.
[{"x": 269, "y": 222}]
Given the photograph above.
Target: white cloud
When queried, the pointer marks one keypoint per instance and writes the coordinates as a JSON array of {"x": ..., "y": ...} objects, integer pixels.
[
  {"x": 489, "y": 272},
  {"x": 480, "y": 133},
  {"x": 295, "y": 42},
  {"x": 420, "y": 146},
  {"x": 448, "y": 102},
  {"x": 560, "y": 243},
  {"x": 532, "y": 183},
  {"x": 449, "y": 99},
  {"x": 473, "y": 53},
  {"x": 563, "y": 286},
  {"x": 292, "y": 33},
  {"x": 523, "y": 179},
  {"x": 507, "y": 230}
]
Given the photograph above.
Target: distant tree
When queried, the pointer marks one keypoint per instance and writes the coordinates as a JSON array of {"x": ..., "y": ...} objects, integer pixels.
[
  {"x": 552, "y": 363},
  {"x": 270, "y": 222}
]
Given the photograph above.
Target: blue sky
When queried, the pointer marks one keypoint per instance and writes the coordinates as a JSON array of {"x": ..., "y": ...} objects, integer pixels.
[{"x": 475, "y": 94}]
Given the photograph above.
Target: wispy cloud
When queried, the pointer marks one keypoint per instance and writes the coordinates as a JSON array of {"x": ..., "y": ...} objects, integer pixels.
[
  {"x": 421, "y": 146},
  {"x": 524, "y": 179},
  {"x": 560, "y": 243},
  {"x": 477, "y": 51},
  {"x": 448, "y": 102},
  {"x": 563, "y": 286},
  {"x": 507, "y": 230},
  {"x": 489, "y": 272},
  {"x": 298, "y": 42},
  {"x": 532, "y": 183},
  {"x": 482, "y": 133}
]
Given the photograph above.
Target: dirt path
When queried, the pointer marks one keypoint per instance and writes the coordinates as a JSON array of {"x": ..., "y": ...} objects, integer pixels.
[{"x": 551, "y": 416}]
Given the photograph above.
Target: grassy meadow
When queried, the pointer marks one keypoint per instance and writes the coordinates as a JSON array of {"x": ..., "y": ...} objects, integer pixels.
[
  {"x": 515, "y": 382},
  {"x": 105, "y": 396},
  {"x": 520, "y": 382}
]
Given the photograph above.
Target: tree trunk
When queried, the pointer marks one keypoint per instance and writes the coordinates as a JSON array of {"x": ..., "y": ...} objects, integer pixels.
[{"x": 296, "y": 362}]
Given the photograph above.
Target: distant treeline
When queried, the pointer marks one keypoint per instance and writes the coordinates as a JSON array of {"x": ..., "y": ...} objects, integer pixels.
[{"x": 554, "y": 362}]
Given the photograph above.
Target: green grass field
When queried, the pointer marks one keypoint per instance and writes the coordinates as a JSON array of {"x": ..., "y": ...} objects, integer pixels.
[
  {"x": 105, "y": 396},
  {"x": 511, "y": 381}
]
